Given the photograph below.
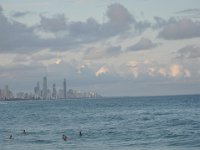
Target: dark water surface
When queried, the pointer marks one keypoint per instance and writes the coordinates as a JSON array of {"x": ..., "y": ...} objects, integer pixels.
[{"x": 138, "y": 123}]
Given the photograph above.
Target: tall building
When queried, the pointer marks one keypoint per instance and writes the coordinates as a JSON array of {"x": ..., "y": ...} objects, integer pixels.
[
  {"x": 64, "y": 89},
  {"x": 38, "y": 86},
  {"x": 54, "y": 93},
  {"x": 7, "y": 93},
  {"x": 44, "y": 90},
  {"x": 37, "y": 90}
]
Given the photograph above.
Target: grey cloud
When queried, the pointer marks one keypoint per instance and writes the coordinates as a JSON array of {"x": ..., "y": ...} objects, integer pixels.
[
  {"x": 119, "y": 21},
  {"x": 88, "y": 30},
  {"x": 143, "y": 44},
  {"x": 54, "y": 24},
  {"x": 189, "y": 51},
  {"x": 160, "y": 22},
  {"x": 35, "y": 57},
  {"x": 21, "y": 14},
  {"x": 44, "y": 56},
  {"x": 119, "y": 14},
  {"x": 1, "y": 9},
  {"x": 93, "y": 53},
  {"x": 193, "y": 10},
  {"x": 21, "y": 59},
  {"x": 96, "y": 53},
  {"x": 180, "y": 29},
  {"x": 140, "y": 26},
  {"x": 113, "y": 51},
  {"x": 17, "y": 37}
]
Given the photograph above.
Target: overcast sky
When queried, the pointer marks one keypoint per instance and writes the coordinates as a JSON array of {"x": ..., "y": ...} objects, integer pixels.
[{"x": 113, "y": 47}]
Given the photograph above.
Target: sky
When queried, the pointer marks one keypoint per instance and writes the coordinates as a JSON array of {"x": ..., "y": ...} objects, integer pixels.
[{"x": 113, "y": 47}]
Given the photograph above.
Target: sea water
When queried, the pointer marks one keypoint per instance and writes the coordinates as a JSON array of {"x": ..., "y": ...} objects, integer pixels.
[{"x": 130, "y": 123}]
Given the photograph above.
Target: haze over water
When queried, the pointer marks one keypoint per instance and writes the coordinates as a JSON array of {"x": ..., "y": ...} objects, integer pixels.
[{"x": 134, "y": 123}]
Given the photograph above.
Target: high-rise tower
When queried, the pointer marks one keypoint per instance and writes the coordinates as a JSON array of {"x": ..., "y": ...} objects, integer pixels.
[
  {"x": 44, "y": 90},
  {"x": 64, "y": 89},
  {"x": 54, "y": 93},
  {"x": 37, "y": 90}
]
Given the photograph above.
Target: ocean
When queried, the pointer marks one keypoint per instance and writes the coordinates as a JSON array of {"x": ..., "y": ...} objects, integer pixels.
[{"x": 125, "y": 123}]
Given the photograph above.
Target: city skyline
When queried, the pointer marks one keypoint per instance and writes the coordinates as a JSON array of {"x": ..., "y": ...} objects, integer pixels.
[
  {"x": 46, "y": 92},
  {"x": 117, "y": 48}
]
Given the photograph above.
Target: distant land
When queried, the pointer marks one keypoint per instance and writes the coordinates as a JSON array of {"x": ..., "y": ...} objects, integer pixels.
[{"x": 45, "y": 93}]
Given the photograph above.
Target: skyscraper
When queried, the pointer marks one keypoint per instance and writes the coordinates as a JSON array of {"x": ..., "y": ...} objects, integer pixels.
[
  {"x": 64, "y": 89},
  {"x": 44, "y": 90},
  {"x": 54, "y": 93},
  {"x": 37, "y": 90},
  {"x": 38, "y": 86}
]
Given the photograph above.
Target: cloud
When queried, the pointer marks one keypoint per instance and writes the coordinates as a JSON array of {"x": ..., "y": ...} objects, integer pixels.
[
  {"x": 160, "y": 22},
  {"x": 179, "y": 29},
  {"x": 175, "y": 70},
  {"x": 152, "y": 71},
  {"x": 43, "y": 56},
  {"x": 58, "y": 61},
  {"x": 194, "y": 12},
  {"x": 148, "y": 71},
  {"x": 85, "y": 31},
  {"x": 101, "y": 71},
  {"x": 58, "y": 34},
  {"x": 140, "y": 26},
  {"x": 94, "y": 53},
  {"x": 113, "y": 51},
  {"x": 21, "y": 14},
  {"x": 143, "y": 44},
  {"x": 1, "y": 9},
  {"x": 101, "y": 52},
  {"x": 55, "y": 24},
  {"x": 133, "y": 64},
  {"x": 119, "y": 20},
  {"x": 162, "y": 72},
  {"x": 21, "y": 59},
  {"x": 187, "y": 73},
  {"x": 189, "y": 51},
  {"x": 15, "y": 36},
  {"x": 119, "y": 14},
  {"x": 133, "y": 67}
]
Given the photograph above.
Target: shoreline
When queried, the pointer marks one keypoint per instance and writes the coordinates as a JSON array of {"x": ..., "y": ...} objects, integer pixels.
[{"x": 97, "y": 98}]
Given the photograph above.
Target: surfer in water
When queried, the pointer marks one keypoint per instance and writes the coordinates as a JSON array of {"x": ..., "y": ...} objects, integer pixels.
[
  {"x": 24, "y": 131},
  {"x": 80, "y": 133},
  {"x": 64, "y": 137},
  {"x": 10, "y": 136}
]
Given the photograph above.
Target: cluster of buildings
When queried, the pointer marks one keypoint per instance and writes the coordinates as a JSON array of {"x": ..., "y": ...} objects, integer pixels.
[{"x": 45, "y": 93}]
